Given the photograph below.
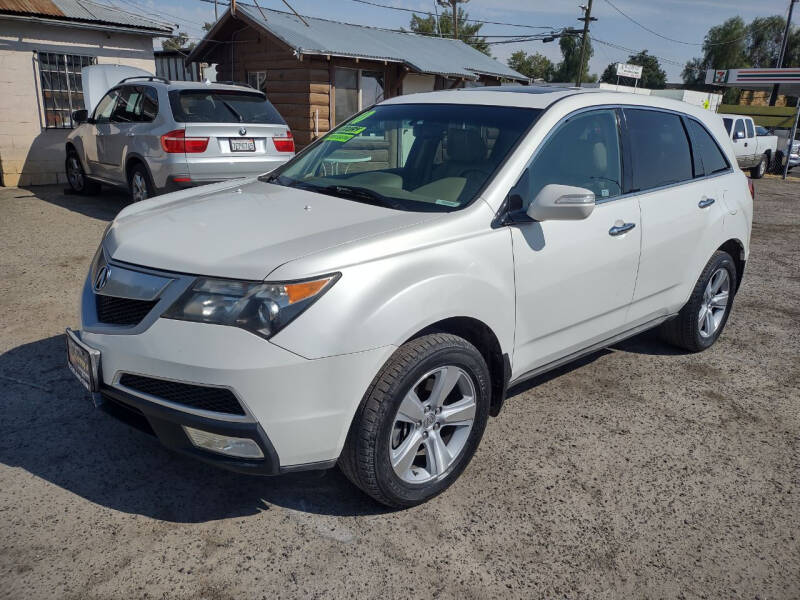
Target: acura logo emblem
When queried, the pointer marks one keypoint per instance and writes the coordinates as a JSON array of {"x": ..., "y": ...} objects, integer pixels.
[
  {"x": 242, "y": 131},
  {"x": 102, "y": 278}
]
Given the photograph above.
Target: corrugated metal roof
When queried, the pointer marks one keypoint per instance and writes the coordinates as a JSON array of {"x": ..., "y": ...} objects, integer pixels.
[
  {"x": 82, "y": 10},
  {"x": 426, "y": 54}
]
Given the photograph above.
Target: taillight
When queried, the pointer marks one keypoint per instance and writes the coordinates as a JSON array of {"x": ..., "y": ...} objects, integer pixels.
[
  {"x": 177, "y": 142},
  {"x": 284, "y": 144},
  {"x": 752, "y": 188}
]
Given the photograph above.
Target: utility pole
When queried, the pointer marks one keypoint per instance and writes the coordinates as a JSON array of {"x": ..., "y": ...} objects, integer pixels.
[
  {"x": 773, "y": 97},
  {"x": 587, "y": 18},
  {"x": 454, "y": 4},
  {"x": 216, "y": 17}
]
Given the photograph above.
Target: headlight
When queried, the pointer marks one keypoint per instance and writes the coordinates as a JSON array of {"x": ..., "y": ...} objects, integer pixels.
[{"x": 263, "y": 308}]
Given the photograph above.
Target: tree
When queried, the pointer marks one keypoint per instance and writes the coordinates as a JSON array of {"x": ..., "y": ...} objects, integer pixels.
[
  {"x": 567, "y": 69},
  {"x": 467, "y": 32},
  {"x": 724, "y": 47},
  {"x": 653, "y": 76},
  {"x": 535, "y": 66},
  {"x": 764, "y": 37},
  {"x": 178, "y": 42}
]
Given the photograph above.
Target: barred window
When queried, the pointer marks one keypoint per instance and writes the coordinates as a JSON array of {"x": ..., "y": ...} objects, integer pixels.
[{"x": 62, "y": 88}]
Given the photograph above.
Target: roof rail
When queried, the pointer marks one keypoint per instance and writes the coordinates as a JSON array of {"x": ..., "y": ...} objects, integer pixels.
[
  {"x": 235, "y": 83},
  {"x": 147, "y": 77}
]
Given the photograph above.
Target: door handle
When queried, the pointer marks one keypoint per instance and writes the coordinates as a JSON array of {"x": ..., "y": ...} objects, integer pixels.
[
  {"x": 745, "y": 144},
  {"x": 620, "y": 229},
  {"x": 706, "y": 202}
]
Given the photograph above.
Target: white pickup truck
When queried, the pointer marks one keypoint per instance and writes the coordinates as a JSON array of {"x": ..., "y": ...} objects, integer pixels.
[{"x": 753, "y": 152}]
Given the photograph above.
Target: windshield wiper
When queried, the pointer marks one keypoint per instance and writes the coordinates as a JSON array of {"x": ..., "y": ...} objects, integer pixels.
[
  {"x": 360, "y": 194},
  {"x": 233, "y": 110}
]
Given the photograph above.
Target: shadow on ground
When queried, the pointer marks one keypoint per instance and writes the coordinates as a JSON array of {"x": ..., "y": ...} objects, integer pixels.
[
  {"x": 103, "y": 206},
  {"x": 50, "y": 428}
]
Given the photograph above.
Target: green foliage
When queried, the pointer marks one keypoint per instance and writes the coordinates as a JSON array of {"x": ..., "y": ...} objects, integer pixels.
[
  {"x": 535, "y": 66},
  {"x": 567, "y": 69},
  {"x": 178, "y": 42},
  {"x": 653, "y": 76},
  {"x": 467, "y": 32},
  {"x": 736, "y": 45}
]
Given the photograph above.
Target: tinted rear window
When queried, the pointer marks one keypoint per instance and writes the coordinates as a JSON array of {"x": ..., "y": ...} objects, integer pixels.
[
  {"x": 708, "y": 157},
  {"x": 222, "y": 106},
  {"x": 660, "y": 148}
]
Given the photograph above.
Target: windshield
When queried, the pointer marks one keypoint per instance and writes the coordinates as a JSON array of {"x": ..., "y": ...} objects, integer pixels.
[
  {"x": 222, "y": 106},
  {"x": 418, "y": 157}
]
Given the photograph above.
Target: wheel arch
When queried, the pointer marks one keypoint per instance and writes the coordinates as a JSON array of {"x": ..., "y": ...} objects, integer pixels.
[
  {"x": 480, "y": 335},
  {"x": 735, "y": 248}
]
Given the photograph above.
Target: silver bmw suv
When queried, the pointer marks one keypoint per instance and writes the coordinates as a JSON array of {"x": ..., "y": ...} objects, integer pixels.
[{"x": 154, "y": 136}]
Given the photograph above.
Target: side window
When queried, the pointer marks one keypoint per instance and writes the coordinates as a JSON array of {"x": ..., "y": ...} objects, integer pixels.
[
  {"x": 105, "y": 107},
  {"x": 148, "y": 107},
  {"x": 660, "y": 148},
  {"x": 728, "y": 124},
  {"x": 738, "y": 129},
  {"x": 585, "y": 152},
  {"x": 709, "y": 159},
  {"x": 127, "y": 105},
  {"x": 750, "y": 129}
]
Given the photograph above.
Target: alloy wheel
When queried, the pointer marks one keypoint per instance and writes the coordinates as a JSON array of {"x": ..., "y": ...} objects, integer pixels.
[
  {"x": 762, "y": 167},
  {"x": 138, "y": 187},
  {"x": 75, "y": 173},
  {"x": 714, "y": 303},
  {"x": 432, "y": 424}
]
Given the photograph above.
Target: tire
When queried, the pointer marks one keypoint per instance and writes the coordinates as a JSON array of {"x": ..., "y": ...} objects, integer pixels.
[
  {"x": 140, "y": 186},
  {"x": 76, "y": 176},
  {"x": 693, "y": 329},
  {"x": 758, "y": 171},
  {"x": 374, "y": 451}
]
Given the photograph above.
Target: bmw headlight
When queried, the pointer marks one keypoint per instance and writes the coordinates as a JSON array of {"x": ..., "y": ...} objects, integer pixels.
[{"x": 262, "y": 308}]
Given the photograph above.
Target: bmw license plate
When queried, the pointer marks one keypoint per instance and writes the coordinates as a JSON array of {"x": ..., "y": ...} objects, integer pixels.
[
  {"x": 83, "y": 361},
  {"x": 243, "y": 145}
]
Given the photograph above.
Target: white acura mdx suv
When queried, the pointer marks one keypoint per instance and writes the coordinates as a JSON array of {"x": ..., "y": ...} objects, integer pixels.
[{"x": 368, "y": 303}]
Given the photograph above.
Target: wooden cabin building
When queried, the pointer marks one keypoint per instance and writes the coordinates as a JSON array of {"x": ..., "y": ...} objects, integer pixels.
[{"x": 317, "y": 72}]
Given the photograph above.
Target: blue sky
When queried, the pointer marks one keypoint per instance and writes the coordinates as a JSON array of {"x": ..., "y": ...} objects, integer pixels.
[{"x": 685, "y": 20}]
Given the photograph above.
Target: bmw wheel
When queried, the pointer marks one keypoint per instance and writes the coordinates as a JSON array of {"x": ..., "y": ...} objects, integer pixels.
[
  {"x": 421, "y": 421},
  {"x": 76, "y": 176},
  {"x": 139, "y": 184}
]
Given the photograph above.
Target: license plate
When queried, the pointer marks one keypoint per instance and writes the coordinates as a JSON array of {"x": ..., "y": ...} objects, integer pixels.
[
  {"x": 83, "y": 361},
  {"x": 243, "y": 145}
]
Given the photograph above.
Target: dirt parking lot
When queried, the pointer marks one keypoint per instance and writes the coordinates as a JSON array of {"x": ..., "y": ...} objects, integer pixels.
[{"x": 638, "y": 472}]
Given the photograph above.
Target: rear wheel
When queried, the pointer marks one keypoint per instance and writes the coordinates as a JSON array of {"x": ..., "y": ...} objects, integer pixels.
[
  {"x": 420, "y": 422},
  {"x": 139, "y": 183},
  {"x": 758, "y": 171},
  {"x": 76, "y": 176},
  {"x": 701, "y": 321}
]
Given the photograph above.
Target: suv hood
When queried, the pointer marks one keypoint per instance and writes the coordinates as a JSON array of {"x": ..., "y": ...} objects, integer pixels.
[{"x": 244, "y": 229}]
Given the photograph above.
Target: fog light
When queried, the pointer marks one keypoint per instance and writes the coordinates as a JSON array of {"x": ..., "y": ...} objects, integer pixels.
[{"x": 223, "y": 444}]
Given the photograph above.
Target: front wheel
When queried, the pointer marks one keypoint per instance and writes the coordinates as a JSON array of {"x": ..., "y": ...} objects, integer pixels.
[
  {"x": 758, "y": 171},
  {"x": 76, "y": 176},
  {"x": 420, "y": 422},
  {"x": 702, "y": 319}
]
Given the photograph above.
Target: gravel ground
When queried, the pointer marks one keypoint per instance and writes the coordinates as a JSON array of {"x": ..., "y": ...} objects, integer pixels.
[{"x": 638, "y": 472}]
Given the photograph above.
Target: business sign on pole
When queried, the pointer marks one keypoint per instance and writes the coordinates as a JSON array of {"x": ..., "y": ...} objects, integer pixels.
[
  {"x": 754, "y": 78},
  {"x": 626, "y": 70}
]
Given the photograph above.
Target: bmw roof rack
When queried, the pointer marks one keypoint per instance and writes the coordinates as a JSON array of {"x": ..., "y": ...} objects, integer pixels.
[{"x": 146, "y": 77}]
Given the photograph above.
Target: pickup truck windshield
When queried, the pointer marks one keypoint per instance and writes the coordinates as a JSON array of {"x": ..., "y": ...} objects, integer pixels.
[
  {"x": 417, "y": 157},
  {"x": 222, "y": 106}
]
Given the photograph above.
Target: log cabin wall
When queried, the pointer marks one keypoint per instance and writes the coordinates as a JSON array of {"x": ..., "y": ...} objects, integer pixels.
[{"x": 301, "y": 90}]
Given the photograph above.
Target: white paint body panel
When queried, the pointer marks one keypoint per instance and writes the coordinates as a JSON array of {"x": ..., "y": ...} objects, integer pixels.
[{"x": 546, "y": 290}]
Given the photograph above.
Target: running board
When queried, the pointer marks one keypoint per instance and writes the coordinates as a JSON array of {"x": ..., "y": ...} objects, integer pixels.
[{"x": 590, "y": 349}]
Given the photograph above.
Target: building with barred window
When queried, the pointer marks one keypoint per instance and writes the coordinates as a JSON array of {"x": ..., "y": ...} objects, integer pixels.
[{"x": 43, "y": 46}]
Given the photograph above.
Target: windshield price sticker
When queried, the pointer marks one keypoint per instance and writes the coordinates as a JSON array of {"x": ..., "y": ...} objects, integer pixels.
[{"x": 345, "y": 133}]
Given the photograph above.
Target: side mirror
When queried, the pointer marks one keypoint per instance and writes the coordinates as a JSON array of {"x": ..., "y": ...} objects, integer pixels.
[
  {"x": 80, "y": 116},
  {"x": 738, "y": 135},
  {"x": 556, "y": 202}
]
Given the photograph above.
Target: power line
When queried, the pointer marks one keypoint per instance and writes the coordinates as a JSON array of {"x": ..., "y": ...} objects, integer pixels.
[
  {"x": 669, "y": 39},
  {"x": 424, "y": 12}
]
